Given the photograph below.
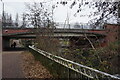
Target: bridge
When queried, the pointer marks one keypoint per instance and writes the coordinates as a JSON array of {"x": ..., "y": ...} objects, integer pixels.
[
  {"x": 57, "y": 32},
  {"x": 29, "y": 33}
]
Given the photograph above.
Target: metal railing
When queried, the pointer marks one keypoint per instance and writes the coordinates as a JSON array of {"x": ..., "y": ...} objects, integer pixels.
[{"x": 84, "y": 70}]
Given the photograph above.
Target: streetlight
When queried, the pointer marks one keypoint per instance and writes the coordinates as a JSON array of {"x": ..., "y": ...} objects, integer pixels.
[
  {"x": 119, "y": 12},
  {"x": 3, "y": 20}
]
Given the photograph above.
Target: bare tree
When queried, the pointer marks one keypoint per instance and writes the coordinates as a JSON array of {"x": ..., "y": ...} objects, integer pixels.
[
  {"x": 7, "y": 20},
  {"x": 104, "y": 9},
  {"x": 42, "y": 20},
  {"x": 16, "y": 20},
  {"x": 24, "y": 22}
]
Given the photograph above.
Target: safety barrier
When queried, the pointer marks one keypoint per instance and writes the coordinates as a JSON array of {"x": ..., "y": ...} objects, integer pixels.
[{"x": 88, "y": 72}]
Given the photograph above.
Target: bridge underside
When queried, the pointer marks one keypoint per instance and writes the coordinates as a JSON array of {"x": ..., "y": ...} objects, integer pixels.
[{"x": 75, "y": 40}]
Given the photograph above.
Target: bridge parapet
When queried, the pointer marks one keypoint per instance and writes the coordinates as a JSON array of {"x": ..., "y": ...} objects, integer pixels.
[{"x": 10, "y": 32}]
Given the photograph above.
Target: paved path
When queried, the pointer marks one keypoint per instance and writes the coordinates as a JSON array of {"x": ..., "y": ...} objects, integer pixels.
[{"x": 11, "y": 65}]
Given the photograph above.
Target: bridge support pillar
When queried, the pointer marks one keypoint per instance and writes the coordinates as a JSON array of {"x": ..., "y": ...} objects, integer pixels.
[{"x": 5, "y": 43}]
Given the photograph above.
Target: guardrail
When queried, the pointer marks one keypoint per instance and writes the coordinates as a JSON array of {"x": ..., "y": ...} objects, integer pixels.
[{"x": 84, "y": 70}]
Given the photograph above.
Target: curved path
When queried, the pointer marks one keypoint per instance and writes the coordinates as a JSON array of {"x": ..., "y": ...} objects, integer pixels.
[{"x": 11, "y": 64}]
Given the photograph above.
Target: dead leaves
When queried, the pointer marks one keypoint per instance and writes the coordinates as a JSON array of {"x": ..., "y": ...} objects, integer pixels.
[{"x": 32, "y": 68}]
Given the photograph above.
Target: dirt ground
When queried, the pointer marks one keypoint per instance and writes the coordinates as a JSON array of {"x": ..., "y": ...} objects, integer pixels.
[{"x": 32, "y": 68}]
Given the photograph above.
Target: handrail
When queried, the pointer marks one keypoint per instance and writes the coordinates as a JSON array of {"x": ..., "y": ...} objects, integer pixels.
[{"x": 84, "y": 70}]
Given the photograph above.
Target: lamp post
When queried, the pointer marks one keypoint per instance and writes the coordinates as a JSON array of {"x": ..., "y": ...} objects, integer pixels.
[
  {"x": 119, "y": 12},
  {"x": 3, "y": 16}
]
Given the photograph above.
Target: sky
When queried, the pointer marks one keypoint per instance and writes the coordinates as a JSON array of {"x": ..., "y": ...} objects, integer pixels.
[{"x": 60, "y": 13}]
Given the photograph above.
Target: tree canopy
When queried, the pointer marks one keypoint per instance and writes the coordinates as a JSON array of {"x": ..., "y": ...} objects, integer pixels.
[{"x": 106, "y": 10}]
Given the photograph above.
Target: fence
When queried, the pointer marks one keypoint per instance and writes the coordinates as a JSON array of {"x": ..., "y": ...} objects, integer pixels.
[{"x": 63, "y": 68}]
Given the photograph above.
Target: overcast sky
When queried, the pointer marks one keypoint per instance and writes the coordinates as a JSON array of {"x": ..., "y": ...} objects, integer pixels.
[{"x": 60, "y": 13}]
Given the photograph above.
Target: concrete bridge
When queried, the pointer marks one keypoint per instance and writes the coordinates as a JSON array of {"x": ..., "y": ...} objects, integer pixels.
[{"x": 29, "y": 33}]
